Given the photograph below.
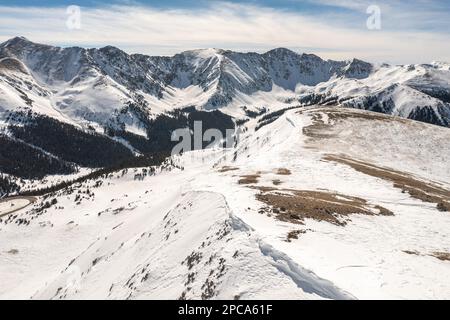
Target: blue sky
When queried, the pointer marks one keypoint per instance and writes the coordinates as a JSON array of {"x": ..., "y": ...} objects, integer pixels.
[
  {"x": 287, "y": 4},
  {"x": 411, "y": 31}
]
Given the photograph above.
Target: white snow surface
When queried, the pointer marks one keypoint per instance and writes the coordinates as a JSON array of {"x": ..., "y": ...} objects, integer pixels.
[{"x": 197, "y": 233}]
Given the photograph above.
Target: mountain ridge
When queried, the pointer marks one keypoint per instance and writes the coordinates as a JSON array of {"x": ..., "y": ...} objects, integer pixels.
[
  {"x": 130, "y": 104},
  {"x": 321, "y": 203},
  {"x": 210, "y": 79}
]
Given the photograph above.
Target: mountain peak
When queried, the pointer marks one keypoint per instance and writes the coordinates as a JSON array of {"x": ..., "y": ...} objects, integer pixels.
[
  {"x": 15, "y": 40},
  {"x": 281, "y": 51},
  {"x": 111, "y": 50},
  {"x": 205, "y": 53},
  {"x": 358, "y": 69},
  {"x": 20, "y": 38},
  {"x": 20, "y": 42}
]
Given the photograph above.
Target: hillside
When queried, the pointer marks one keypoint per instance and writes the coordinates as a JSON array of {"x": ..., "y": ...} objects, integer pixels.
[{"x": 318, "y": 203}]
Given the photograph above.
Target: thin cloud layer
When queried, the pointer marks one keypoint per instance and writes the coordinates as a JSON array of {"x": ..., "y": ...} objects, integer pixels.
[{"x": 142, "y": 29}]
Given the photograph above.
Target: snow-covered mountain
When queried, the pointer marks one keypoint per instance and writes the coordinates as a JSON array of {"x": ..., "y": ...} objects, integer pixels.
[
  {"x": 419, "y": 92},
  {"x": 318, "y": 197},
  {"x": 93, "y": 87},
  {"x": 319, "y": 203},
  {"x": 66, "y": 108}
]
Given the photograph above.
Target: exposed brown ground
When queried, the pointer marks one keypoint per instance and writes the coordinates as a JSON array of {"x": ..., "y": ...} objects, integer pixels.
[
  {"x": 263, "y": 188},
  {"x": 284, "y": 172},
  {"x": 412, "y": 252},
  {"x": 318, "y": 129},
  {"x": 443, "y": 256},
  {"x": 425, "y": 191},
  {"x": 321, "y": 130},
  {"x": 228, "y": 168},
  {"x": 277, "y": 182},
  {"x": 296, "y": 205},
  {"x": 347, "y": 113},
  {"x": 294, "y": 235},
  {"x": 249, "y": 179}
]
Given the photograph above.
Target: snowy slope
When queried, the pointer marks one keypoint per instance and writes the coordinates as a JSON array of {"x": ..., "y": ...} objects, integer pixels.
[
  {"x": 203, "y": 231},
  {"x": 150, "y": 246}
]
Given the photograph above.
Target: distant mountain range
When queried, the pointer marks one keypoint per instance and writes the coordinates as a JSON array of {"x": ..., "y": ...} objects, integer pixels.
[
  {"x": 94, "y": 85},
  {"x": 132, "y": 102}
]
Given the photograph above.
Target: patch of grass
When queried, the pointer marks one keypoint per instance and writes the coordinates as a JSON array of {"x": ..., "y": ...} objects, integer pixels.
[
  {"x": 228, "y": 168},
  {"x": 296, "y": 205},
  {"x": 249, "y": 179},
  {"x": 263, "y": 189},
  {"x": 443, "y": 206},
  {"x": 412, "y": 252},
  {"x": 294, "y": 235},
  {"x": 347, "y": 113},
  {"x": 323, "y": 129},
  {"x": 284, "y": 172},
  {"x": 318, "y": 129},
  {"x": 424, "y": 191},
  {"x": 277, "y": 182},
  {"x": 383, "y": 211},
  {"x": 443, "y": 256}
]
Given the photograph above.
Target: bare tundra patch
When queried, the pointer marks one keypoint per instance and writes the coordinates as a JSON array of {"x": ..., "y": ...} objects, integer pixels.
[
  {"x": 297, "y": 205},
  {"x": 418, "y": 189},
  {"x": 249, "y": 179}
]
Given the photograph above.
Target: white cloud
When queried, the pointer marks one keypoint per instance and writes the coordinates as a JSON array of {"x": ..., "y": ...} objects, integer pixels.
[
  {"x": 224, "y": 25},
  {"x": 360, "y": 5}
]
